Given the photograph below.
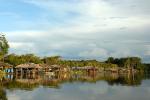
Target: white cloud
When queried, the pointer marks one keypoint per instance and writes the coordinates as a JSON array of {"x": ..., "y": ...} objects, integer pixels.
[
  {"x": 147, "y": 51},
  {"x": 94, "y": 53},
  {"x": 86, "y": 28},
  {"x": 102, "y": 90},
  {"x": 94, "y": 15},
  {"x": 23, "y": 47},
  {"x": 13, "y": 97}
]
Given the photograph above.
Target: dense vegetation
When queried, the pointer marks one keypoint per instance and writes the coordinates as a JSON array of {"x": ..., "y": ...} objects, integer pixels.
[
  {"x": 21, "y": 59},
  {"x": 146, "y": 67},
  {"x": 31, "y": 58},
  {"x": 129, "y": 62}
]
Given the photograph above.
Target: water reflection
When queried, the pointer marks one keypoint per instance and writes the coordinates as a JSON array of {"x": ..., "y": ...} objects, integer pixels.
[
  {"x": 29, "y": 82},
  {"x": 54, "y": 80}
]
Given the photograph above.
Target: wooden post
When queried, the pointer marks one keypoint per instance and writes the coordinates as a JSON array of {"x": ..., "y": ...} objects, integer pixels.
[{"x": 21, "y": 74}]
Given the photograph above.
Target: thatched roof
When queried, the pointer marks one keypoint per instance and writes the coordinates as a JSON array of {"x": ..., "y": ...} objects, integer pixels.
[
  {"x": 2, "y": 64},
  {"x": 29, "y": 65}
]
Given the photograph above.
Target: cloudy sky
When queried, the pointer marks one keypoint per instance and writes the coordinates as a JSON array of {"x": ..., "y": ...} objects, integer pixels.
[{"x": 87, "y": 29}]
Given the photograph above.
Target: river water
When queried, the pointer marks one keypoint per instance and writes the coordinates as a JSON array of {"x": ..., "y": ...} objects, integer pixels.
[{"x": 103, "y": 86}]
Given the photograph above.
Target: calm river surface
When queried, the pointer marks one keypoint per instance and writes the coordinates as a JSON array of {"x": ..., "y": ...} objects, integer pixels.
[{"x": 104, "y": 86}]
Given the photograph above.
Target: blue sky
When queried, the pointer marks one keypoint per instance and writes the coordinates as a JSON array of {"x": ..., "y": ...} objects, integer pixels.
[{"x": 87, "y": 29}]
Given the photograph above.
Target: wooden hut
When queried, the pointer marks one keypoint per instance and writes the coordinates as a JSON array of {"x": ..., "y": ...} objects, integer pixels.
[
  {"x": 7, "y": 68},
  {"x": 28, "y": 68},
  {"x": 53, "y": 68},
  {"x": 46, "y": 68},
  {"x": 56, "y": 68}
]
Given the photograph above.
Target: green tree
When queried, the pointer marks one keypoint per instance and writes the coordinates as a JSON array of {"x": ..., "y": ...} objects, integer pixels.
[
  {"x": 20, "y": 59},
  {"x": 4, "y": 46},
  {"x": 52, "y": 60},
  {"x": 110, "y": 60}
]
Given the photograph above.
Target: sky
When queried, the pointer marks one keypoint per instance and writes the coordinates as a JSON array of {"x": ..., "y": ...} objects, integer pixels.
[{"x": 77, "y": 29}]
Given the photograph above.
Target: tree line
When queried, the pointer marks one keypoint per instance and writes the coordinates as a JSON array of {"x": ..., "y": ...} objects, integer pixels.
[{"x": 128, "y": 62}]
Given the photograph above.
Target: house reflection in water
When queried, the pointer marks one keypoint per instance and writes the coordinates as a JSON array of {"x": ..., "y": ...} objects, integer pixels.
[
  {"x": 52, "y": 76},
  {"x": 59, "y": 78},
  {"x": 9, "y": 76}
]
